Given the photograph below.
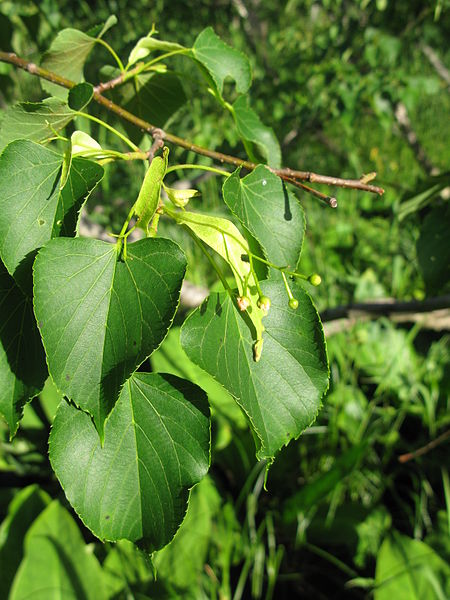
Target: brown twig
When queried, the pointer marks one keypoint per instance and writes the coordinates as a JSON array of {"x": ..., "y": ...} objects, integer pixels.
[
  {"x": 285, "y": 174},
  {"x": 424, "y": 449},
  {"x": 332, "y": 202}
]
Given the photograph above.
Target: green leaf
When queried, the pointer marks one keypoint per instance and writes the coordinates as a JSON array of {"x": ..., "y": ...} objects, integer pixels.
[
  {"x": 270, "y": 212},
  {"x": 80, "y": 96},
  {"x": 282, "y": 392},
  {"x": 57, "y": 562},
  {"x": 408, "y": 569},
  {"x": 22, "y": 511},
  {"x": 66, "y": 57},
  {"x": 100, "y": 316},
  {"x": 33, "y": 208},
  {"x": 251, "y": 129},
  {"x": 433, "y": 250},
  {"x": 82, "y": 143},
  {"x": 221, "y": 61},
  {"x": 22, "y": 360},
  {"x": 148, "y": 198},
  {"x": 171, "y": 358},
  {"x": 156, "y": 448},
  {"x": 182, "y": 561},
  {"x": 35, "y": 121},
  {"x": 225, "y": 239},
  {"x": 149, "y": 44}
]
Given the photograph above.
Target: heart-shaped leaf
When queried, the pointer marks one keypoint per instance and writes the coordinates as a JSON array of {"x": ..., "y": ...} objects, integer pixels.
[
  {"x": 100, "y": 316},
  {"x": 251, "y": 129},
  {"x": 221, "y": 61},
  {"x": 35, "y": 121},
  {"x": 282, "y": 392},
  {"x": 270, "y": 212},
  {"x": 22, "y": 360},
  {"x": 57, "y": 563},
  {"x": 156, "y": 447},
  {"x": 66, "y": 57},
  {"x": 33, "y": 208}
]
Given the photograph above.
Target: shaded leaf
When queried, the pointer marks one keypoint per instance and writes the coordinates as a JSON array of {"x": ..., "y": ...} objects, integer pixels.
[
  {"x": 270, "y": 212},
  {"x": 156, "y": 447},
  {"x": 22, "y": 360},
  {"x": 182, "y": 561},
  {"x": 80, "y": 96},
  {"x": 33, "y": 208},
  {"x": 282, "y": 392},
  {"x": 57, "y": 563},
  {"x": 251, "y": 129},
  {"x": 153, "y": 98},
  {"x": 35, "y": 121},
  {"x": 433, "y": 250},
  {"x": 22, "y": 511},
  {"x": 408, "y": 569},
  {"x": 100, "y": 316},
  {"x": 221, "y": 61}
]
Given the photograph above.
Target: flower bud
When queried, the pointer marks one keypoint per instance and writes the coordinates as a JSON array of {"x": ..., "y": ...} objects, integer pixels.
[
  {"x": 315, "y": 279},
  {"x": 243, "y": 302},
  {"x": 264, "y": 303}
]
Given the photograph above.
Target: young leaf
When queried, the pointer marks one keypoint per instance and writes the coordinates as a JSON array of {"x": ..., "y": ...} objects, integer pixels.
[
  {"x": 33, "y": 208},
  {"x": 100, "y": 316},
  {"x": 22, "y": 360},
  {"x": 56, "y": 563},
  {"x": 251, "y": 129},
  {"x": 270, "y": 212},
  {"x": 80, "y": 96},
  {"x": 148, "y": 198},
  {"x": 156, "y": 447},
  {"x": 221, "y": 61},
  {"x": 82, "y": 143},
  {"x": 35, "y": 121},
  {"x": 148, "y": 44},
  {"x": 281, "y": 393},
  {"x": 180, "y": 197},
  {"x": 225, "y": 239}
]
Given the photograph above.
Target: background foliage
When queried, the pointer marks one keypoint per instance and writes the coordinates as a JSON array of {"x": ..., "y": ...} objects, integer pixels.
[{"x": 341, "y": 513}]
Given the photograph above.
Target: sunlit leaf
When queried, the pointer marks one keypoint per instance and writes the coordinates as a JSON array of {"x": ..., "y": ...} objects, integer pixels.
[
  {"x": 251, "y": 129},
  {"x": 222, "y": 61},
  {"x": 100, "y": 315},
  {"x": 270, "y": 212}
]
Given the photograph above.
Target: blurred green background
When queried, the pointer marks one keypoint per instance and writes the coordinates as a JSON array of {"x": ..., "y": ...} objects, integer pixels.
[{"x": 349, "y": 87}]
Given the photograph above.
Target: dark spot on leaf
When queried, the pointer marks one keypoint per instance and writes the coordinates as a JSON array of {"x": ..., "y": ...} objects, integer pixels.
[
  {"x": 288, "y": 434},
  {"x": 107, "y": 517},
  {"x": 41, "y": 221},
  {"x": 40, "y": 323},
  {"x": 67, "y": 377}
]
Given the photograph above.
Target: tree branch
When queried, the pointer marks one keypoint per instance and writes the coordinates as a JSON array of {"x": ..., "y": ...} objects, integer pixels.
[
  {"x": 424, "y": 449},
  {"x": 285, "y": 174}
]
